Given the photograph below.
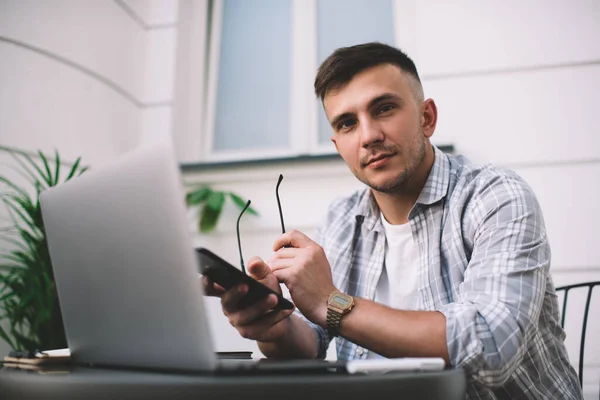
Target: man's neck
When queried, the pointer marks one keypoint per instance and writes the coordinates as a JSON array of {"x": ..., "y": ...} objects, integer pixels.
[{"x": 396, "y": 206}]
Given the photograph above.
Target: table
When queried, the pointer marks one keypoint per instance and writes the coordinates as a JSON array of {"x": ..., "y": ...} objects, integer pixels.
[{"x": 99, "y": 383}]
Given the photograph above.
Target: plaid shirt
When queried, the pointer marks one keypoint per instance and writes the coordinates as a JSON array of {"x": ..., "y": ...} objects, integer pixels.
[{"x": 484, "y": 262}]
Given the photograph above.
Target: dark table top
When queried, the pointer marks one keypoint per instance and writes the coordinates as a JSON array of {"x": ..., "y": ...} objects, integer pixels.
[{"x": 102, "y": 383}]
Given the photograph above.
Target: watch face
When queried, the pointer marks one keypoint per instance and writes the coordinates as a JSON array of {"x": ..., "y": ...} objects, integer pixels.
[{"x": 341, "y": 301}]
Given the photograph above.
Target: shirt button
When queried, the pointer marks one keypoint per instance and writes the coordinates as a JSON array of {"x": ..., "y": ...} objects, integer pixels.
[
  {"x": 379, "y": 248},
  {"x": 360, "y": 351}
]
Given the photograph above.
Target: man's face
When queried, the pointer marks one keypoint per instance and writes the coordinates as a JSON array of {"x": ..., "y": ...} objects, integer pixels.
[{"x": 378, "y": 127}]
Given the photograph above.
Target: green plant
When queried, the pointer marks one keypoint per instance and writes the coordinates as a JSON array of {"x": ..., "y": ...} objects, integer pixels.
[
  {"x": 211, "y": 203},
  {"x": 28, "y": 297}
]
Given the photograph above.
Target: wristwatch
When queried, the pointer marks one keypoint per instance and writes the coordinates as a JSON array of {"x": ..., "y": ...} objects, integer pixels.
[{"x": 338, "y": 305}]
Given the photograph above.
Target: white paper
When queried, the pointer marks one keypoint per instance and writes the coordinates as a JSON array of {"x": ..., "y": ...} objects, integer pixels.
[{"x": 384, "y": 365}]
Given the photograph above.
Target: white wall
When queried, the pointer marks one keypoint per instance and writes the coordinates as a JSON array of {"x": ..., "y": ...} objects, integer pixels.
[
  {"x": 517, "y": 84},
  {"x": 90, "y": 78}
]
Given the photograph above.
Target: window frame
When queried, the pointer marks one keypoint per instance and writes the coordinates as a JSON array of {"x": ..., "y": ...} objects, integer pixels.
[{"x": 201, "y": 58}]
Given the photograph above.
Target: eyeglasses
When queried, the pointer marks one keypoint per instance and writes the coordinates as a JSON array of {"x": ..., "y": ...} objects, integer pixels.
[{"x": 244, "y": 210}]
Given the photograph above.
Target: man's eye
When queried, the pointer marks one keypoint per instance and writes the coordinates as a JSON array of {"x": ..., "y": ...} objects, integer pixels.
[
  {"x": 385, "y": 108},
  {"x": 345, "y": 124}
]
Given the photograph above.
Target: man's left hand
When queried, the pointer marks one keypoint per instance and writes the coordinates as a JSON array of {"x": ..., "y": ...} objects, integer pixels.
[{"x": 302, "y": 266}]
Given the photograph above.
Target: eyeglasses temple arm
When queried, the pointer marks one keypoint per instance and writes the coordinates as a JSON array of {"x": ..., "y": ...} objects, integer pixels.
[
  {"x": 279, "y": 203},
  {"x": 238, "y": 236}
]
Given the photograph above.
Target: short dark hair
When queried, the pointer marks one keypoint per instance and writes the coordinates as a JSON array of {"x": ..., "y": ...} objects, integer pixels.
[{"x": 341, "y": 66}]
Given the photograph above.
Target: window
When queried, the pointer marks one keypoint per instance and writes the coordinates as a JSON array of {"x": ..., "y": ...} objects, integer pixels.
[
  {"x": 262, "y": 57},
  {"x": 251, "y": 80},
  {"x": 346, "y": 22}
]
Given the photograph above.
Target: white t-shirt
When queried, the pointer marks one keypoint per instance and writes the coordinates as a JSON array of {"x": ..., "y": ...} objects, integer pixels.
[{"x": 398, "y": 284}]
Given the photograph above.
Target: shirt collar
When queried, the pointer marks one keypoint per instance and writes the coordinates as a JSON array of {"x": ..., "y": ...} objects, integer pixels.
[
  {"x": 369, "y": 210},
  {"x": 435, "y": 188}
]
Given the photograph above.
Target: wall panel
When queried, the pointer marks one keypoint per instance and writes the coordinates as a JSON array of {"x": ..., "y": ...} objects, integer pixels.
[
  {"x": 97, "y": 35},
  {"x": 155, "y": 123},
  {"x": 465, "y": 36},
  {"x": 46, "y": 105},
  {"x": 528, "y": 117},
  {"x": 568, "y": 195},
  {"x": 155, "y": 14}
]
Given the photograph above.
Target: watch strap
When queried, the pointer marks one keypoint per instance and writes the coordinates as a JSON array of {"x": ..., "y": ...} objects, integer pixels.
[{"x": 333, "y": 322}]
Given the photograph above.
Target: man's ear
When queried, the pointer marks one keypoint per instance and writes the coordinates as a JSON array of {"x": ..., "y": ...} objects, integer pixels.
[
  {"x": 332, "y": 138},
  {"x": 429, "y": 116}
]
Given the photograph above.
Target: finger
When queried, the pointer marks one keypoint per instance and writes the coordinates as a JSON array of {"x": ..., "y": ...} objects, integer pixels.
[
  {"x": 258, "y": 330},
  {"x": 256, "y": 311},
  {"x": 286, "y": 252},
  {"x": 292, "y": 239},
  {"x": 214, "y": 285},
  {"x": 231, "y": 298},
  {"x": 281, "y": 263},
  {"x": 211, "y": 288},
  {"x": 258, "y": 269},
  {"x": 283, "y": 275}
]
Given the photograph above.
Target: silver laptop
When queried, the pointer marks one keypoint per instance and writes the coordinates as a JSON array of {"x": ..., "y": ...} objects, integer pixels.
[
  {"x": 124, "y": 266},
  {"x": 125, "y": 269}
]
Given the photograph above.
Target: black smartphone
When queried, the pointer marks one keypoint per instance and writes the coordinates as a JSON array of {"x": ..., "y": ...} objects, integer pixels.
[{"x": 226, "y": 275}]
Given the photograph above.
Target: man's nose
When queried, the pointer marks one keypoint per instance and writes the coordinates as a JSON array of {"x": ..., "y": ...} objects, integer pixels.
[{"x": 370, "y": 133}]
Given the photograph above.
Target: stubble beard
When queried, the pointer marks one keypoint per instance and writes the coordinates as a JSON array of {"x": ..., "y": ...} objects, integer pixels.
[{"x": 398, "y": 184}]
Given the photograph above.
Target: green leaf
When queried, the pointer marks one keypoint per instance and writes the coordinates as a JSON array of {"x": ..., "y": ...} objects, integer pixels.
[
  {"x": 25, "y": 342},
  {"x": 215, "y": 201},
  {"x": 13, "y": 186},
  {"x": 6, "y": 296},
  {"x": 28, "y": 298},
  {"x": 198, "y": 196},
  {"x": 20, "y": 258},
  {"x": 73, "y": 169},
  {"x": 56, "y": 167},
  {"x": 19, "y": 212},
  {"x": 30, "y": 175},
  {"x": 38, "y": 169},
  {"x": 7, "y": 278},
  {"x": 209, "y": 218},
  {"x": 8, "y": 267},
  {"x": 31, "y": 242},
  {"x": 241, "y": 203},
  {"x": 14, "y": 242},
  {"x": 48, "y": 177},
  {"x": 23, "y": 200},
  {"x": 31, "y": 210}
]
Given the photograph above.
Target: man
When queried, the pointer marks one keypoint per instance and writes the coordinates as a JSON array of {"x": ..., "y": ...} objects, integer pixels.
[{"x": 437, "y": 258}]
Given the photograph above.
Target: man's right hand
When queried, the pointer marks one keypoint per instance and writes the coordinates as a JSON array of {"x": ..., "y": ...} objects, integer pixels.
[{"x": 258, "y": 321}]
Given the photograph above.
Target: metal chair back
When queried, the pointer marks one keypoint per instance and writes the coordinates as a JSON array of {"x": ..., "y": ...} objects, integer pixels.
[{"x": 590, "y": 287}]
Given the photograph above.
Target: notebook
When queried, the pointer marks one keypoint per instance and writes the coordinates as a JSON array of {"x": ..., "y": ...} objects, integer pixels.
[{"x": 127, "y": 275}]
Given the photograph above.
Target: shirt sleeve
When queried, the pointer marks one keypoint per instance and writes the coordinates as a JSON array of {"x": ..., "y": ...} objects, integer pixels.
[
  {"x": 321, "y": 335},
  {"x": 500, "y": 300}
]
